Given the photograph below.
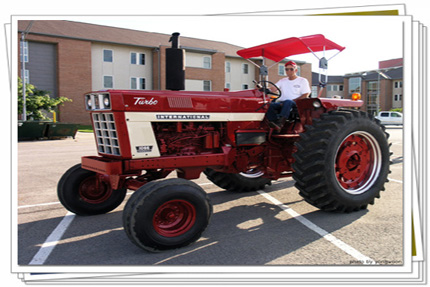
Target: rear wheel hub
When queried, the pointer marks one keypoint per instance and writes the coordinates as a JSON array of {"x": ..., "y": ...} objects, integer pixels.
[{"x": 358, "y": 161}]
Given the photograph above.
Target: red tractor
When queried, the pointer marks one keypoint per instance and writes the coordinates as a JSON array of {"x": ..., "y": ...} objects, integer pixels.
[{"x": 337, "y": 155}]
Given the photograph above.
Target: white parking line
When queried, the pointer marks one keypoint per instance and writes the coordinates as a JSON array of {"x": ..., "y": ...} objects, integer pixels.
[
  {"x": 395, "y": 180},
  {"x": 52, "y": 240},
  {"x": 37, "y": 205},
  {"x": 324, "y": 234}
]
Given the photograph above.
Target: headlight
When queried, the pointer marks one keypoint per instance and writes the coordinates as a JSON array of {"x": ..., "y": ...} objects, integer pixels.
[
  {"x": 98, "y": 101},
  {"x": 106, "y": 101},
  {"x": 88, "y": 102},
  {"x": 316, "y": 104}
]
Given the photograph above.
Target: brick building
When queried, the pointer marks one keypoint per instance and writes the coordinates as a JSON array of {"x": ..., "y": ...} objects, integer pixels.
[
  {"x": 72, "y": 58},
  {"x": 334, "y": 86},
  {"x": 380, "y": 89}
]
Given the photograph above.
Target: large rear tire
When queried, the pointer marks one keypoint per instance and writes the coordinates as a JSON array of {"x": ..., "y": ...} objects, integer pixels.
[
  {"x": 342, "y": 161},
  {"x": 166, "y": 214},
  {"x": 81, "y": 192},
  {"x": 251, "y": 180}
]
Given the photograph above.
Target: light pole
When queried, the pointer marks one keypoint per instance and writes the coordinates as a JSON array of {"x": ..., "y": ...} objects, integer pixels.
[{"x": 24, "y": 86}]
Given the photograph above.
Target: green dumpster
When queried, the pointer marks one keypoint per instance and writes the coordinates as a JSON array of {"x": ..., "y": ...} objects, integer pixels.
[
  {"x": 55, "y": 130},
  {"x": 31, "y": 130}
]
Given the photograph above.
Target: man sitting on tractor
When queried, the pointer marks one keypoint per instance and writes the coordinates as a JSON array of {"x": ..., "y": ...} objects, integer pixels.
[{"x": 293, "y": 87}]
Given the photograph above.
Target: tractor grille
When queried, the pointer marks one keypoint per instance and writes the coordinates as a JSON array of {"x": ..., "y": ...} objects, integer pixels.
[{"x": 106, "y": 135}]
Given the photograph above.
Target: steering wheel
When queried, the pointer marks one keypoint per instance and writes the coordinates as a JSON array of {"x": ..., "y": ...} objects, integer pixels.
[{"x": 265, "y": 89}]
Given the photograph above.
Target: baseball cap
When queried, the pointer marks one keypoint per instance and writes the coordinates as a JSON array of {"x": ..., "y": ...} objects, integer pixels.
[{"x": 291, "y": 63}]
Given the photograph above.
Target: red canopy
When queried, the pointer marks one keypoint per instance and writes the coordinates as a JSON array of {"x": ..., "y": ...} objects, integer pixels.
[{"x": 281, "y": 49}]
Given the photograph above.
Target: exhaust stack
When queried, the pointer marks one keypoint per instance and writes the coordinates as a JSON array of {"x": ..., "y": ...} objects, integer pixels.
[{"x": 175, "y": 65}]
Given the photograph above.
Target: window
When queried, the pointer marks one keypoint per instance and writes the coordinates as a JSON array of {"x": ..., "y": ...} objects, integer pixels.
[
  {"x": 138, "y": 83},
  {"x": 334, "y": 88},
  {"x": 133, "y": 83},
  {"x": 134, "y": 58},
  {"x": 281, "y": 70},
  {"x": 206, "y": 86},
  {"x": 108, "y": 56},
  {"x": 385, "y": 114},
  {"x": 228, "y": 86},
  {"x": 141, "y": 59},
  {"x": 314, "y": 91},
  {"x": 24, "y": 51},
  {"x": 245, "y": 68},
  {"x": 397, "y": 85},
  {"x": 372, "y": 97},
  {"x": 245, "y": 87},
  {"x": 227, "y": 67},
  {"x": 354, "y": 85},
  {"x": 397, "y": 98},
  {"x": 207, "y": 62},
  {"x": 107, "y": 82}
]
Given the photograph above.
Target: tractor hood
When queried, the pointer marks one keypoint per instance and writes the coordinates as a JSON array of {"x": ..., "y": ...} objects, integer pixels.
[{"x": 247, "y": 101}]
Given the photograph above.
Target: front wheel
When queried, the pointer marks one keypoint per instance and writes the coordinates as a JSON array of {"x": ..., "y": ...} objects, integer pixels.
[
  {"x": 342, "y": 161},
  {"x": 166, "y": 214},
  {"x": 83, "y": 193}
]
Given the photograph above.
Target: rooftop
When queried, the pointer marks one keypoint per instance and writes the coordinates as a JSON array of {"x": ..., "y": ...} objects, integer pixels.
[{"x": 106, "y": 34}]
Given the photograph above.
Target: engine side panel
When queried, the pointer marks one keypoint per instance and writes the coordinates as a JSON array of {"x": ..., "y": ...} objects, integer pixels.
[{"x": 181, "y": 132}]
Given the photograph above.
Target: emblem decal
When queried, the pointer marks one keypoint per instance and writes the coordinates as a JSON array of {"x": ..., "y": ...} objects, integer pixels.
[
  {"x": 142, "y": 101},
  {"x": 144, "y": 148},
  {"x": 183, "y": 117}
]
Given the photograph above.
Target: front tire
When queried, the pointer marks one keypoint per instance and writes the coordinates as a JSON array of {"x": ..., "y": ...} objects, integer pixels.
[
  {"x": 166, "y": 214},
  {"x": 342, "y": 161},
  {"x": 81, "y": 192}
]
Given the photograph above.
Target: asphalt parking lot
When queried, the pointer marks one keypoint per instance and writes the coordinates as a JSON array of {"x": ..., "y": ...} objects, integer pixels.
[{"x": 271, "y": 227}]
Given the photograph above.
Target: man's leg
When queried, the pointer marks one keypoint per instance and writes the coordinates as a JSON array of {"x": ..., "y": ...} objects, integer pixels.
[
  {"x": 285, "y": 112},
  {"x": 286, "y": 108},
  {"x": 272, "y": 112}
]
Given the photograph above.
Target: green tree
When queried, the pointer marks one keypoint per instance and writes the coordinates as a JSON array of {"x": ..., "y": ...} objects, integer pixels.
[
  {"x": 38, "y": 102},
  {"x": 400, "y": 110}
]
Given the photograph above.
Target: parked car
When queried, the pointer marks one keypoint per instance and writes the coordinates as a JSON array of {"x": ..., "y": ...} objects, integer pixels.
[{"x": 390, "y": 118}]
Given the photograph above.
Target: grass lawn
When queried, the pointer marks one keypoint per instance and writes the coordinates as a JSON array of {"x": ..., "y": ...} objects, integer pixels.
[{"x": 85, "y": 128}]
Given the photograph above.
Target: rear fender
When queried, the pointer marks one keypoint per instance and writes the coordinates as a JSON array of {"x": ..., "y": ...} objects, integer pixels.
[
  {"x": 313, "y": 107},
  {"x": 332, "y": 104}
]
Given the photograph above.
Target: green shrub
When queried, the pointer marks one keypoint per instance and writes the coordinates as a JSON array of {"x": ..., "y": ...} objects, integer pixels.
[
  {"x": 400, "y": 110},
  {"x": 38, "y": 102}
]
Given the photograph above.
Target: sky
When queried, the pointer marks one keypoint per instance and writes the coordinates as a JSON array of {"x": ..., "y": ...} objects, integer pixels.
[{"x": 368, "y": 39}]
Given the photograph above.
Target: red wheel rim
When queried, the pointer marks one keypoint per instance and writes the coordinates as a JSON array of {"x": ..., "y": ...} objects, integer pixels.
[
  {"x": 358, "y": 162},
  {"x": 94, "y": 191},
  {"x": 174, "y": 217}
]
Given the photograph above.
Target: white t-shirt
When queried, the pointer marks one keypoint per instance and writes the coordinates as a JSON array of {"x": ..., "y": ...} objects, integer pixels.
[{"x": 292, "y": 89}]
